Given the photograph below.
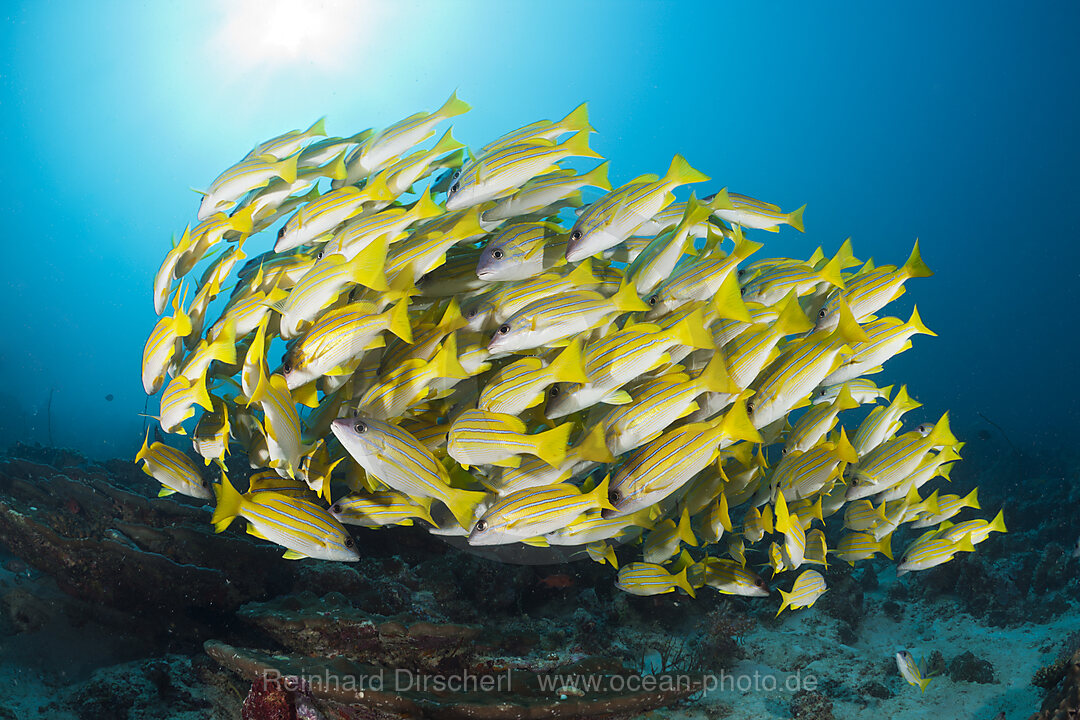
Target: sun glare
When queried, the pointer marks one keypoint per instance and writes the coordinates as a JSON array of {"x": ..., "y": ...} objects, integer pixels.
[{"x": 264, "y": 34}]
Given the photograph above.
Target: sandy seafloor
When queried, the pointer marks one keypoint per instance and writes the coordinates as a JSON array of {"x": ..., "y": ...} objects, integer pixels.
[{"x": 807, "y": 641}]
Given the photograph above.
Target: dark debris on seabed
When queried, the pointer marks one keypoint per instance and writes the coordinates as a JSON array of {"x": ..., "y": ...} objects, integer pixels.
[{"x": 119, "y": 605}]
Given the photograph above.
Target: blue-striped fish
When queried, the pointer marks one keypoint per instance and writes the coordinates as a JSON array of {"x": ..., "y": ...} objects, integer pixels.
[
  {"x": 521, "y": 384},
  {"x": 163, "y": 344},
  {"x": 663, "y": 540},
  {"x": 910, "y": 670},
  {"x": 577, "y": 120},
  {"x": 286, "y": 144},
  {"x": 614, "y": 217},
  {"x": 750, "y": 213},
  {"x": 339, "y": 337},
  {"x": 770, "y": 284},
  {"x": 930, "y": 550},
  {"x": 503, "y": 171},
  {"x": 817, "y": 421},
  {"x": 242, "y": 178},
  {"x": 172, "y": 468},
  {"x": 659, "y": 258},
  {"x": 326, "y": 279},
  {"x": 381, "y": 509},
  {"x": 545, "y": 194},
  {"x": 855, "y": 546},
  {"x": 808, "y": 587},
  {"x": 659, "y": 468},
  {"x": 730, "y": 577},
  {"x": 892, "y": 461},
  {"x": 397, "y": 139},
  {"x": 948, "y": 506},
  {"x": 868, "y": 292},
  {"x": 551, "y": 319},
  {"x": 707, "y": 279},
  {"x": 801, "y": 474},
  {"x": 478, "y": 437},
  {"x": 522, "y": 250},
  {"x": 533, "y": 512},
  {"x": 406, "y": 384},
  {"x": 392, "y": 222},
  {"x": 303, "y": 528},
  {"x": 402, "y": 462},
  {"x": 659, "y": 402},
  {"x": 619, "y": 357},
  {"x": 886, "y": 337},
  {"x": 640, "y": 578}
]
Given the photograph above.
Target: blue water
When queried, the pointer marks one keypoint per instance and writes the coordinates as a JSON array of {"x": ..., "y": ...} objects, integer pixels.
[{"x": 942, "y": 122}]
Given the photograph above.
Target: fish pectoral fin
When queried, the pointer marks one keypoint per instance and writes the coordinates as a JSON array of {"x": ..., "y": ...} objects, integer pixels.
[{"x": 293, "y": 555}]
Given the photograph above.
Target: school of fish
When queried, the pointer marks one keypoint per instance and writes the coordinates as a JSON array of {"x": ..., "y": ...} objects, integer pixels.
[{"x": 467, "y": 343}]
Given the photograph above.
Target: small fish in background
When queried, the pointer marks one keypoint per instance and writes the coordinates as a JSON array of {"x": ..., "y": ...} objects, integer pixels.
[
  {"x": 109, "y": 397},
  {"x": 910, "y": 670},
  {"x": 559, "y": 581}
]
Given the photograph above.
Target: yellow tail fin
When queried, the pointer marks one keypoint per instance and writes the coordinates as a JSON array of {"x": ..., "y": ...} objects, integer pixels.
[
  {"x": 577, "y": 119},
  {"x": 397, "y": 320},
  {"x": 367, "y": 267},
  {"x": 627, "y": 300},
  {"x": 286, "y": 169},
  {"x": 597, "y": 177},
  {"x": 568, "y": 365},
  {"x": 727, "y": 303},
  {"x": 715, "y": 378},
  {"x": 453, "y": 106},
  {"x": 446, "y": 144},
  {"x": 228, "y": 504},
  {"x": 682, "y": 581},
  {"x": 551, "y": 446},
  {"x": 593, "y": 446},
  {"x": 577, "y": 145},
  {"x": 462, "y": 505},
  {"x": 916, "y": 323},
  {"x": 915, "y": 267},
  {"x": 680, "y": 173},
  {"x": 692, "y": 331},
  {"x": 445, "y": 364},
  {"x": 794, "y": 219}
]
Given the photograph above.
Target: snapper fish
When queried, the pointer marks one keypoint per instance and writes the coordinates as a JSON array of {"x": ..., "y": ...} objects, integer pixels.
[
  {"x": 303, "y": 528},
  {"x": 173, "y": 469},
  {"x": 614, "y": 217}
]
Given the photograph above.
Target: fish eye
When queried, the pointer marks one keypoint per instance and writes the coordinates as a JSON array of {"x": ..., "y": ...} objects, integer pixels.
[
  {"x": 497, "y": 254},
  {"x": 740, "y": 272},
  {"x": 470, "y": 313},
  {"x": 576, "y": 235},
  {"x": 281, "y": 232},
  {"x": 749, "y": 406},
  {"x": 286, "y": 367},
  {"x": 335, "y": 508},
  {"x": 454, "y": 188},
  {"x": 614, "y": 496},
  {"x": 554, "y": 391},
  {"x": 652, "y": 300},
  {"x": 784, "y": 451},
  {"x": 457, "y": 175},
  {"x": 360, "y": 427},
  {"x": 349, "y": 542},
  {"x": 318, "y": 256},
  {"x": 481, "y": 526},
  {"x": 759, "y": 582},
  {"x": 821, "y": 313},
  {"x": 503, "y": 329}
]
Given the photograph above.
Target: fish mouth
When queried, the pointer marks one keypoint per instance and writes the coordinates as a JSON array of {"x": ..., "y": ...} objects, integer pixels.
[{"x": 575, "y": 253}]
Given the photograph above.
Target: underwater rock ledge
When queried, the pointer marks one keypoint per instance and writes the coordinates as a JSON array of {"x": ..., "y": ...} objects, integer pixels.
[{"x": 333, "y": 686}]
